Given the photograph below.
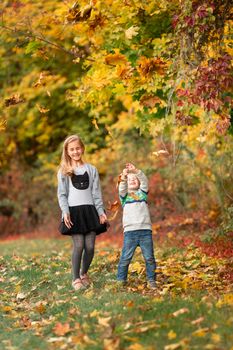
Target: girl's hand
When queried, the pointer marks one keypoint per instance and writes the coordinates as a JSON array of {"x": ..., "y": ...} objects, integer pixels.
[
  {"x": 67, "y": 220},
  {"x": 103, "y": 218},
  {"x": 131, "y": 168}
]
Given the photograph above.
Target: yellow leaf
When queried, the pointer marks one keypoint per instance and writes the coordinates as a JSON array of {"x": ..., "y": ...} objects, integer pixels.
[
  {"x": 94, "y": 122},
  {"x": 7, "y": 308},
  {"x": 111, "y": 344},
  {"x": 136, "y": 267},
  {"x": 104, "y": 321},
  {"x": 200, "y": 332},
  {"x": 216, "y": 338},
  {"x": 94, "y": 313},
  {"x": 131, "y": 32},
  {"x": 172, "y": 346},
  {"x": 171, "y": 335},
  {"x": 136, "y": 346}
]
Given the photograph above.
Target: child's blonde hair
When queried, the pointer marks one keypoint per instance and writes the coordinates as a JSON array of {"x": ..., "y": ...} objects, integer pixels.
[{"x": 66, "y": 165}]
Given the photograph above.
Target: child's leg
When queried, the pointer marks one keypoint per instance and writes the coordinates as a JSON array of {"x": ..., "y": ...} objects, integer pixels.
[
  {"x": 78, "y": 246},
  {"x": 146, "y": 244},
  {"x": 89, "y": 249},
  {"x": 129, "y": 246}
]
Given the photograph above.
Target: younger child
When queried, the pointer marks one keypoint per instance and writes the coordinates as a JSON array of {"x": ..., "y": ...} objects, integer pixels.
[
  {"x": 80, "y": 200},
  {"x": 133, "y": 191}
]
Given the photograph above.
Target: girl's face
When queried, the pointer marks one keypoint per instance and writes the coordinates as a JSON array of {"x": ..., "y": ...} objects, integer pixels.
[
  {"x": 133, "y": 182},
  {"x": 75, "y": 151}
]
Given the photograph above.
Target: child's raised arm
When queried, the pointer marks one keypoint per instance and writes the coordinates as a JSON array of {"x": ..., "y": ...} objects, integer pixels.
[
  {"x": 143, "y": 181},
  {"x": 123, "y": 187}
]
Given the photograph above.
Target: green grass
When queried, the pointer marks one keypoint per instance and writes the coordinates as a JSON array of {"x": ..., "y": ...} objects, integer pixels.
[{"x": 36, "y": 296}]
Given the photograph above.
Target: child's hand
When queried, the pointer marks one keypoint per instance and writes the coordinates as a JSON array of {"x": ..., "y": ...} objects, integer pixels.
[
  {"x": 124, "y": 174},
  {"x": 103, "y": 218},
  {"x": 131, "y": 168}
]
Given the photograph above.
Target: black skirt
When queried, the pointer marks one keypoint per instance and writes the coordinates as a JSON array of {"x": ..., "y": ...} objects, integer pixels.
[{"x": 85, "y": 219}]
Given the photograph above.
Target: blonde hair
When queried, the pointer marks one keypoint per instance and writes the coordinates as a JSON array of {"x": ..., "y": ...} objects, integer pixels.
[{"x": 66, "y": 165}]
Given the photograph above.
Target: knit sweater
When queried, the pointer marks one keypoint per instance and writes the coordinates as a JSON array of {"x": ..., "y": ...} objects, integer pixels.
[
  {"x": 136, "y": 214},
  {"x": 64, "y": 190}
]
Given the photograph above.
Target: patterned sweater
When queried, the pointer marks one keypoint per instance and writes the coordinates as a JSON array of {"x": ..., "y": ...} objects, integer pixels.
[{"x": 136, "y": 214}]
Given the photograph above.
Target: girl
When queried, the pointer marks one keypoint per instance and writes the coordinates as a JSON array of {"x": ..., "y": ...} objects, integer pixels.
[{"x": 80, "y": 200}]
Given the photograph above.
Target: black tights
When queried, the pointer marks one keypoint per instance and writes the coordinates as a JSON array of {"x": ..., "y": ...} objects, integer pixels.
[{"x": 84, "y": 245}]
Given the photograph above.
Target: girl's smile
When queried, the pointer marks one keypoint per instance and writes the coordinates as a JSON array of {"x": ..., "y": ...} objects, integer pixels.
[{"x": 75, "y": 151}]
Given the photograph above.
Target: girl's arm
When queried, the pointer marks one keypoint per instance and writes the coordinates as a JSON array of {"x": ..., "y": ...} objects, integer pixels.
[
  {"x": 97, "y": 194},
  {"x": 62, "y": 193}
]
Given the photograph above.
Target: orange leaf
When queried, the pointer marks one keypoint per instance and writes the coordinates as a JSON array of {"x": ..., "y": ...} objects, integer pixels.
[{"x": 61, "y": 329}]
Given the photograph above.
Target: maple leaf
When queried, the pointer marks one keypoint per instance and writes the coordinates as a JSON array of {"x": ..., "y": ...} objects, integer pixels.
[
  {"x": 149, "y": 100},
  {"x": 131, "y": 32},
  {"x": 61, "y": 329},
  {"x": 115, "y": 59}
]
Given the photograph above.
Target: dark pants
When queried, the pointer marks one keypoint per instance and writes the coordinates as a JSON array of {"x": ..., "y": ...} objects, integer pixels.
[{"x": 133, "y": 239}]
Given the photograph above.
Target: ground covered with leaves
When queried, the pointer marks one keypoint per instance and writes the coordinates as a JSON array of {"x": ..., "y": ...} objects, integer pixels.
[{"x": 191, "y": 308}]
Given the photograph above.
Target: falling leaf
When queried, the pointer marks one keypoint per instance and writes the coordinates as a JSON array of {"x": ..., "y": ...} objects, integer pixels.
[
  {"x": 94, "y": 122},
  {"x": 158, "y": 153},
  {"x": 61, "y": 328},
  {"x": 14, "y": 100},
  {"x": 40, "y": 81},
  {"x": 42, "y": 109},
  {"x": 113, "y": 206}
]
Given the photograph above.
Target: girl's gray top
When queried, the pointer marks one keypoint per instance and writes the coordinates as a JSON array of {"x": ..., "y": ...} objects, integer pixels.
[{"x": 68, "y": 195}]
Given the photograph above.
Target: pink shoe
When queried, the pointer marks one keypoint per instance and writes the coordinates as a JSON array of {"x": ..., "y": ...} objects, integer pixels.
[
  {"x": 77, "y": 284},
  {"x": 85, "y": 280}
]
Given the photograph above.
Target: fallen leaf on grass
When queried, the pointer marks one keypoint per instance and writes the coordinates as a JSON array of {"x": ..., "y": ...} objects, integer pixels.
[
  {"x": 21, "y": 296},
  {"x": 61, "y": 329},
  {"x": 198, "y": 320},
  {"x": 180, "y": 312},
  {"x": 171, "y": 335},
  {"x": 111, "y": 344},
  {"x": 104, "y": 321},
  {"x": 200, "y": 332},
  {"x": 216, "y": 337},
  {"x": 136, "y": 346},
  {"x": 172, "y": 346},
  {"x": 55, "y": 339}
]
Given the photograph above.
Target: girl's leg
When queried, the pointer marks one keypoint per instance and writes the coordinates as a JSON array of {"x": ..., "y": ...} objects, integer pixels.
[
  {"x": 89, "y": 249},
  {"x": 78, "y": 246}
]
